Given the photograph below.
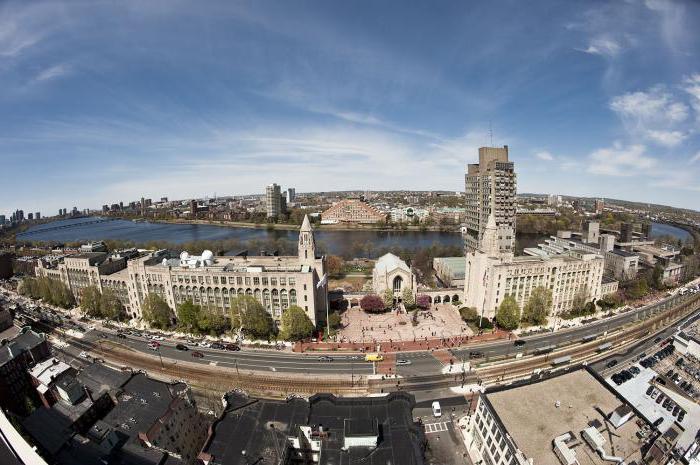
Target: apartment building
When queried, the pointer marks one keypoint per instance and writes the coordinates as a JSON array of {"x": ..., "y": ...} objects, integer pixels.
[
  {"x": 490, "y": 187},
  {"x": 273, "y": 201},
  {"x": 352, "y": 211}
]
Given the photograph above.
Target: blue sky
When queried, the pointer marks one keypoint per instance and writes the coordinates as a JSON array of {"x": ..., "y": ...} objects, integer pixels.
[{"x": 109, "y": 101}]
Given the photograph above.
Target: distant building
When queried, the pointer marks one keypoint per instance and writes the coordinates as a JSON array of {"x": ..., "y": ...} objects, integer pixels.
[
  {"x": 591, "y": 232},
  {"x": 599, "y": 206},
  {"x": 490, "y": 188},
  {"x": 37, "y": 215},
  {"x": 408, "y": 214},
  {"x": 193, "y": 208},
  {"x": 390, "y": 272},
  {"x": 352, "y": 211},
  {"x": 5, "y": 265},
  {"x": 626, "y": 232},
  {"x": 646, "y": 229},
  {"x": 450, "y": 270},
  {"x": 553, "y": 200},
  {"x": 273, "y": 206},
  {"x": 291, "y": 195}
]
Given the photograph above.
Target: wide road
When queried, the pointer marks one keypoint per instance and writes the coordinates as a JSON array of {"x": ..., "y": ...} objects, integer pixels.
[{"x": 422, "y": 363}]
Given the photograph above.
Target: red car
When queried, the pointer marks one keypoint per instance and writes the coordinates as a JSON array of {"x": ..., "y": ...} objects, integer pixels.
[{"x": 197, "y": 354}]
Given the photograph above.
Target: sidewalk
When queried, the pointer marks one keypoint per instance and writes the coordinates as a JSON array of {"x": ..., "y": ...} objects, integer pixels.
[{"x": 401, "y": 346}]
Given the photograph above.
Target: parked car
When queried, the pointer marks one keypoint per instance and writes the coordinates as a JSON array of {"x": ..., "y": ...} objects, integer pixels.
[
  {"x": 121, "y": 335},
  {"x": 611, "y": 363},
  {"x": 403, "y": 361},
  {"x": 153, "y": 345},
  {"x": 84, "y": 354},
  {"x": 181, "y": 347},
  {"x": 325, "y": 358},
  {"x": 475, "y": 354},
  {"x": 232, "y": 347},
  {"x": 217, "y": 345},
  {"x": 650, "y": 389},
  {"x": 519, "y": 342},
  {"x": 197, "y": 354}
]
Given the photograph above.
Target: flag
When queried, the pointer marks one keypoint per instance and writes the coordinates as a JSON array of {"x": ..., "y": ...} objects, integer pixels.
[{"x": 323, "y": 281}]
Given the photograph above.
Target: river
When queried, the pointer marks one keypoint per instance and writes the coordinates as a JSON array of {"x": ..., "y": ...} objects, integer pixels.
[{"x": 356, "y": 243}]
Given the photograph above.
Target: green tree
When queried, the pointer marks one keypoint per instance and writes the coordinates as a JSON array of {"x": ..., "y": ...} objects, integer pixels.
[
  {"x": 211, "y": 322},
  {"x": 537, "y": 307},
  {"x": 409, "y": 300},
  {"x": 188, "y": 315},
  {"x": 249, "y": 315},
  {"x": 469, "y": 314},
  {"x": 657, "y": 276},
  {"x": 296, "y": 324},
  {"x": 508, "y": 313},
  {"x": 110, "y": 305},
  {"x": 334, "y": 320},
  {"x": 388, "y": 297},
  {"x": 90, "y": 302},
  {"x": 156, "y": 311}
]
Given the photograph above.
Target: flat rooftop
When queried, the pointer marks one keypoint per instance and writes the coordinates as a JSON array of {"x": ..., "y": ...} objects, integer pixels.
[{"x": 531, "y": 417}]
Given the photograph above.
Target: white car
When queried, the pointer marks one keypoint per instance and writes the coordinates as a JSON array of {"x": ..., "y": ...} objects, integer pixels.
[
  {"x": 157, "y": 338},
  {"x": 403, "y": 361},
  {"x": 84, "y": 354},
  {"x": 437, "y": 411}
]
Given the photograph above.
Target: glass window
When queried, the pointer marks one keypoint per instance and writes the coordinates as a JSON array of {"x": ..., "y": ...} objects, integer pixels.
[
  {"x": 256, "y": 281},
  {"x": 273, "y": 281},
  {"x": 283, "y": 281},
  {"x": 292, "y": 281}
]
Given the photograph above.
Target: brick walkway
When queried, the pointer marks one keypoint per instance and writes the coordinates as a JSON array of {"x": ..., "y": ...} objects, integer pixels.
[
  {"x": 388, "y": 365},
  {"x": 402, "y": 346}
]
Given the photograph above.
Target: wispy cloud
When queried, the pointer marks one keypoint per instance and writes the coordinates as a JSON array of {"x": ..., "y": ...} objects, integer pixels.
[
  {"x": 546, "y": 156},
  {"x": 53, "y": 72},
  {"x": 621, "y": 160},
  {"x": 603, "y": 46},
  {"x": 694, "y": 159}
]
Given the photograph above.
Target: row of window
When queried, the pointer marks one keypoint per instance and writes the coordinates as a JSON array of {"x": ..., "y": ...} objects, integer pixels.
[{"x": 238, "y": 280}]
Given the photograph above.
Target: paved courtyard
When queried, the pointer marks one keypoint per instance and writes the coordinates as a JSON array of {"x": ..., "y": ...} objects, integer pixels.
[{"x": 441, "y": 322}]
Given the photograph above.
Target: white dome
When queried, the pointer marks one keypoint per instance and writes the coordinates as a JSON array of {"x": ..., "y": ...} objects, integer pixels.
[
  {"x": 184, "y": 255},
  {"x": 207, "y": 255},
  {"x": 165, "y": 262}
]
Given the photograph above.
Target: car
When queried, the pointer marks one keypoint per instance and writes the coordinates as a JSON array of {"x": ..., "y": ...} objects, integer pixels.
[
  {"x": 675, "y": 411},
  {"x": 197, "y": 354},
  {"x": 403, "y": 361},
  {"x": 634, "y": 370},
  {"x": 519, "y": 343},
  {"x": 437, "y": 410},
  {"x": 157, "y": 338},
  {"x": 325, "y": 358},
  {"x": 204, "y": 344},
  {"x": 654, "y": 394},
  {"x": 217, "y": 345},
  {"x": 373, "y": 358},
  {"x": 657, "y": 340},
  {"x": 650, "y": 389},
  {"x": 660, "y": 398},
  {"x": 611, "y": 364},
  {"x": 153, "y": 345},
  {"x": 669, "y": 407},
  {"x": 476, "y": 354},
  {"x": 181, "y": 347},
  {"x": 666, "y": 403},
  {"x": 232, "y": 347},
  {"x": 658, "y": 422},
  {"x": 121, "y": 335},
  {"x": 681, "y": 416},
  {"x": 83, "y": 354}
]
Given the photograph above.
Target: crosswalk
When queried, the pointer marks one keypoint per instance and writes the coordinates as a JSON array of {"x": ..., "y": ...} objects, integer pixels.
[{"x": 436, "y": 427}]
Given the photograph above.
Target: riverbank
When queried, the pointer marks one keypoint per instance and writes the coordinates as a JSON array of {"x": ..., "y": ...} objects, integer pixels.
[{"x": 318, "y": 227}]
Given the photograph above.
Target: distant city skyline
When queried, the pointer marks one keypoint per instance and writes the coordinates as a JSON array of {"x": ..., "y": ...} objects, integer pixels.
[{"x": 105, "y": 102}]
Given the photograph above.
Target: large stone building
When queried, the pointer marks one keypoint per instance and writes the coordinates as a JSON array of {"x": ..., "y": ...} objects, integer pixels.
[
  {"x": 490, "y": 187},
  {"x": 278, "y": 282},
  {"x": 491, "y": 274},
  {"x": 352, "y": 211},
  {"x": 390, "y": 272}
]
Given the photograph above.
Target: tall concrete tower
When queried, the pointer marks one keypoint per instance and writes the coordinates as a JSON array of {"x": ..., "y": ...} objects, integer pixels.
[{"x": 490, "y": 187}]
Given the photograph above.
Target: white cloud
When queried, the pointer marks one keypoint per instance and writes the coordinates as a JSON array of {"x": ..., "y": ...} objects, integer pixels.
[
  {"x": 666, "y": 138},
  {"x": 691, "y": 85},
  {"x": 603, "y": 46},
  {"x": 546, "y": 156},
  {"x": 620, "y": 160},
  {"x": 53, "y": 72},
  {"x": 695, "y": 158}
]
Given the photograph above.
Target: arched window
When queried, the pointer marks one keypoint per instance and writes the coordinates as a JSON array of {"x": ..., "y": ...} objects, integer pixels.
[
  {"x": 258, "y": 295},
  {"x": 266, "y": 299},
  {"x": 285, "y": 299},
  {"x": 275, "y": 299},
  {"x": 398, "y": 281},
  {"x": 248, "y": 291},
  {"x": 293, "y": 297},
  {"x": 437, "y": 299}
]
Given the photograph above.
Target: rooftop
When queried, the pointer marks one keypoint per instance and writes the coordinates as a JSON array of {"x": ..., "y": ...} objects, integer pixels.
[{"x": 532, "y": 418}]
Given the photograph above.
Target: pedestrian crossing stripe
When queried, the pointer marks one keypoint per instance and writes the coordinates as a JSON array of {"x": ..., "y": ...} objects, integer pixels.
[{"x": 435, "y": 427}]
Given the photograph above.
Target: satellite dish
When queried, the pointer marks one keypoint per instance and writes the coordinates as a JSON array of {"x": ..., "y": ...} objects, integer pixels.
[{"x": 184, "y": 255}]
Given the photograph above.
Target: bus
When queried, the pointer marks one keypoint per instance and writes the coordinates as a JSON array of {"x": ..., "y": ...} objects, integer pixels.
[
  {"x": 588, "y": 338},
  {"x": 561, "y": 360}
]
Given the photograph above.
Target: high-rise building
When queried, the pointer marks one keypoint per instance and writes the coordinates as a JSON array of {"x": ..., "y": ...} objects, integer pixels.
[
  {"x": 37, "y": 215},
  {"x": 646, "y": 229},
  {"x": 30, "y": 216},
  {"x": 599, "y": 206},
  {"x": 591, "y": 232},
  {"x": 273, "y": 205},
  {"x": 626, "y": 232},
  {"x": 491, "y": 185},
  {"x": 291, "y": 194},
  {"x": 2, "y": 219},
  {"x": 193, "y": 208}
]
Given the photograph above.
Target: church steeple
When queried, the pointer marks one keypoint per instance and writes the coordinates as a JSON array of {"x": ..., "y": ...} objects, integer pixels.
[
  {"x": 489, "y": 241},
  {"x": 307, "y": 244}
]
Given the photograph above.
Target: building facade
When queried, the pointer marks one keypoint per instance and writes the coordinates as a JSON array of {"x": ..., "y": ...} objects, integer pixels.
[
  {"x": 352, "y": 211},
  {"x": 492, "y": 274},
  {"x": 277, "y": 282},
  {"x": 273, "y": 201},
  {"x": 490, "y": 187},
  {"x": 390, "y": 272}
]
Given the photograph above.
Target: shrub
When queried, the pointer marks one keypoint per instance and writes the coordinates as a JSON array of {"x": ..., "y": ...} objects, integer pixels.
[
  {"x": 423, "y": 301},
  {"x": 372, "y": 303}
]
